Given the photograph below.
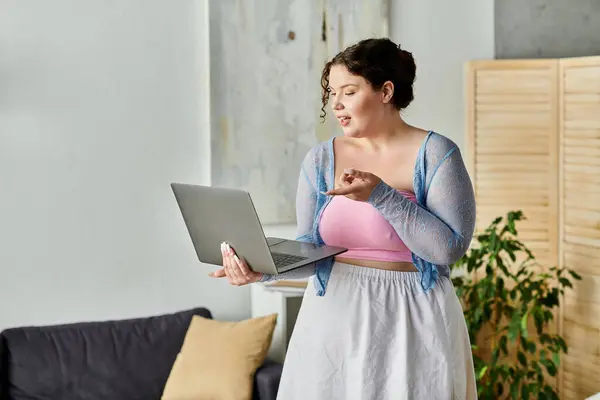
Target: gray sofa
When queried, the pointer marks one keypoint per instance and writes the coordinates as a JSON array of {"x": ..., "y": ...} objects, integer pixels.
[{"x": 113, "y": 360}]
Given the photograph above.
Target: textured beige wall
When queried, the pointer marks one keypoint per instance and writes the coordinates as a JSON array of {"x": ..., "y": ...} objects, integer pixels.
[{"x": 266, "y": 62}]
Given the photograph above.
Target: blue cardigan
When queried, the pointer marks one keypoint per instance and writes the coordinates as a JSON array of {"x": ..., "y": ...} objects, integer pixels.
[{"x": 438, "y": 228}]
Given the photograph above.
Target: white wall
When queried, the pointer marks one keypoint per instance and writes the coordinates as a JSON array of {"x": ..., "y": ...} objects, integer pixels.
[
  {"x": 442, "y": 35},
  {"x": 102, "y": 105}
]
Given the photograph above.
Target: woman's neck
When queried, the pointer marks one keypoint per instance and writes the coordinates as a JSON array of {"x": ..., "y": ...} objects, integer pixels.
[{"x": 389, "y": 131}]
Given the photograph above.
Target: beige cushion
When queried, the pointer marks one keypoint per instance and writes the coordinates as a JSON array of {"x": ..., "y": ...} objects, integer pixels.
[{"x": 218, "y": 359}]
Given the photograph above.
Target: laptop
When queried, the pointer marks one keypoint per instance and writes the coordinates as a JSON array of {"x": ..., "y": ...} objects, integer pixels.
[{"x": 214, "y": 215}]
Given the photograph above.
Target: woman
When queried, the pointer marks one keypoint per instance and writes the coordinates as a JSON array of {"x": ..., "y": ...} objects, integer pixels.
[{"x": 380, "y": 321}]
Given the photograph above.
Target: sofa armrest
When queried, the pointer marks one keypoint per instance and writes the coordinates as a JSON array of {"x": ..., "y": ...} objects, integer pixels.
[
  {"x": 266, "y": 381},
  {"x": 3, "y": 369}
]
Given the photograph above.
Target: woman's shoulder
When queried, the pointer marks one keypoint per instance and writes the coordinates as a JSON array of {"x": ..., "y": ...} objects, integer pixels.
[
  {"x": 318, "y": 152},
  {"x": 437, "y": 145}
]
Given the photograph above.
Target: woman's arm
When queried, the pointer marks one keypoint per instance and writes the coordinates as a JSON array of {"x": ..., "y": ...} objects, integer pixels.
[
  {"x": 442, "y": 234},
  {"x": 306, "y": 202}
]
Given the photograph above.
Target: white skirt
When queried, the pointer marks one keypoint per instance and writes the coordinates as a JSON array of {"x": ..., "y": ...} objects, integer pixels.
[{"x": 377, "y": 335}]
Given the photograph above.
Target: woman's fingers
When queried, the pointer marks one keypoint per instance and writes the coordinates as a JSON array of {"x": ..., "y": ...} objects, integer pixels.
[
  {"x": 235, "y": 269},
  {"x": 242, "y": 266},
  {"x": 251, "y": 276},
  {"x": 225, "y": 263},
  {"x": 345, "y": 179},
  {"x": 220, "y": 273},
  {"x": 239, "y": 269},
  {"x": 231, "y": 264}
]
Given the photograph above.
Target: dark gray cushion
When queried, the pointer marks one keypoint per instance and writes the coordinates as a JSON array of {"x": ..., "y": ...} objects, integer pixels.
[
  {"x": 266, "y": 381},
  {"x": 3, "y": 370},
  {"x": 126, "y": 359}
]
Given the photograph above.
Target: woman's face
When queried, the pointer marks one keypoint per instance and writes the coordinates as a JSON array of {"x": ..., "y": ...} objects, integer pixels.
[{"x": 357, "y": 107}]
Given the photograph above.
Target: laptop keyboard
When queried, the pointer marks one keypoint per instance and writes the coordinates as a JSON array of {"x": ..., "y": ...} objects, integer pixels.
[{"x": 283, "y": 260}]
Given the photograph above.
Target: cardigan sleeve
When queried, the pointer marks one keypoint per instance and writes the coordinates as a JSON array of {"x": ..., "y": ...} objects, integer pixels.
[{"x": 441, "y": 232}]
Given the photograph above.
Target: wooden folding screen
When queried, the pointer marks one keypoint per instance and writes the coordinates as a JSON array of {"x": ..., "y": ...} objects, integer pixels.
[{"x": 533, "y": 144}]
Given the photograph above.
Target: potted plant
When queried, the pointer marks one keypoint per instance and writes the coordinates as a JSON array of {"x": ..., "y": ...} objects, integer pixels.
[{"x": 509, "y": 303}]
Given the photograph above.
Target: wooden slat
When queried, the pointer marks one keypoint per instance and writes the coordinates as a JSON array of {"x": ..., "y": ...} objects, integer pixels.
[
  {"x": 532, "y": 213},
  {"x": 586, "y": 232},
  {"x": 579, "y": 377},
  {"x": 501, "y": 200},
  {"x": 509, "y": 98},
  {"x": 522, "y": 167},
  {"x": 518, "y": 133},
  {"x": 509, "y": 184},
  {"x": 591, "y": 152},
  {"x": 582, "y": 218},
  {"x": 584, "y": 160},
  {"x": 513, "y": 82},
  {"x": 582, "y": 98},
  {"x": 581, "y": 133},
  {"x": 588, "y": 255},
  {"x": 509, "y": 159},
  {"x": 582, "y": 112},
  {"x": 517, "y": 107},
  {"x": 539, "y": 193},
  {"x": 587, "y": 357},
  {"x": 586, "y": 290},
  {"x": 582, "y": 187},
  {"x": 585, "y": 172},
  {"x": 516, "y": 176},
  {"x": 516, "y": 120},
  {"x": 582, "y": 200},
  {"x": 582, "y": 312},
  {"x": 582, "y": 79}
]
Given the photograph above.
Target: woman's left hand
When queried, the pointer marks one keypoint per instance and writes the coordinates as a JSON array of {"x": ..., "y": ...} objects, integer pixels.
[{"x": 356, "y": 185}]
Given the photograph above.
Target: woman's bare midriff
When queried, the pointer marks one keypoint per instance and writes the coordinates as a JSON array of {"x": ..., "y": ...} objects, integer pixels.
[{"x": 387, "y": 265}]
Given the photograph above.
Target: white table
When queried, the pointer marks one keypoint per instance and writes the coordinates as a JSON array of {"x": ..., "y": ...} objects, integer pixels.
[{"x": 286, "y": 303}]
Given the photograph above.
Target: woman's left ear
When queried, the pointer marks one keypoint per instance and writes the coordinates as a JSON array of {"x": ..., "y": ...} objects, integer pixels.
[{"x": 388, "y": 91}]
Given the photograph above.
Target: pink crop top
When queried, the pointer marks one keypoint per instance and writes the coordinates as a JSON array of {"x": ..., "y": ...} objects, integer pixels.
[{"x": 359, "y": 227}]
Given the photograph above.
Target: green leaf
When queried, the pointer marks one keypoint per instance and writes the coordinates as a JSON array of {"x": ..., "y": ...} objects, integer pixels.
[
  {"x": 565, "y": 282},
  {"x": 550, "y": 367},
  {"x": 575, "y": 275},
  {"x": 511, "y": 226},
  {"x": 482, "y": 372},
  {"x": 495, "y": 355},
  {"x": 502, "y": 344},
  {"x": 514, "y": 328},
  {"x": 522, "y": 358},
  {"x": 562, "y": 344},
  {"x": 524, "y": 319},
  {"x": 550, "y": 393},
  {"x": 501, "y": 265},
  {"x": 556, "y": 359},
  {"x": 545, "y": 338},
  {"x": 478, "y": 314},
  {"x": 525, "y": 392},
  {"x": 514, "y": 390}
]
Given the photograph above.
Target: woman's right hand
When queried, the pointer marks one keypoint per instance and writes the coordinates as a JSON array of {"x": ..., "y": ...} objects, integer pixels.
[{"x": 235, "y": 269}]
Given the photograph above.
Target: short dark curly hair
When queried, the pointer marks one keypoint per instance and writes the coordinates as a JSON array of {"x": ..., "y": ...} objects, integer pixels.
[{"x": 377, "y": 60}]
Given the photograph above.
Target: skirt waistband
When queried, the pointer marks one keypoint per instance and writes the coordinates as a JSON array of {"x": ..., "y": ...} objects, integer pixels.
[{"x": 342, "y": 269}]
